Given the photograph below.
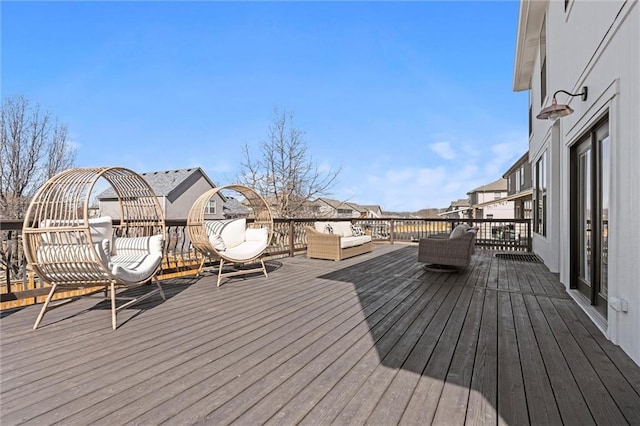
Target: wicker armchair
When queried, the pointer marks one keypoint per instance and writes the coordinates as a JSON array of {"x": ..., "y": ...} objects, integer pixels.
[
  {"x": 443, "y": 254},
  {"x": 237, "y": 241},
  {"x": 70, "y": 250}
]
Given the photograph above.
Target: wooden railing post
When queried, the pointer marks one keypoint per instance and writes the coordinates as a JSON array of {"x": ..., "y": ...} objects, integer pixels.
[
  {"x": 292, "y": 226},
  {"x": 9, "y": 250},
  {"x": 392, "y": 230}
]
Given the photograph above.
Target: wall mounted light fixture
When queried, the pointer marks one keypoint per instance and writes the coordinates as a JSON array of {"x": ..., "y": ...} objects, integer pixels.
[{"x": 556, "y": 110}]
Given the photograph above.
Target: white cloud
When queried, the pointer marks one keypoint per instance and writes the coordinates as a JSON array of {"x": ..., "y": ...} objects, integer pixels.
[{"x": 444, "y": 150}]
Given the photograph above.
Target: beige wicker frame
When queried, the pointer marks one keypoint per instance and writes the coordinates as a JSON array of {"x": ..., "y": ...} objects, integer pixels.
[
  {"x": 59, "y": 212},
  {"x": 259, "y": 217},
  {"x": 327, "y": 246}
]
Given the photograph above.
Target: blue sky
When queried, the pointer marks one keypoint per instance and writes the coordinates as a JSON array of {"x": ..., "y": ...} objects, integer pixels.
[{"x": 413, "y": 100}]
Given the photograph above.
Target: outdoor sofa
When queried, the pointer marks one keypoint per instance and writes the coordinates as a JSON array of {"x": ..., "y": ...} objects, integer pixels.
[{"x": 336, "y": 240}]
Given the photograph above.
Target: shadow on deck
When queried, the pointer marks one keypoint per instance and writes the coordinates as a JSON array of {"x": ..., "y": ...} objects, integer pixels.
[{"x": 373, "y": 339}]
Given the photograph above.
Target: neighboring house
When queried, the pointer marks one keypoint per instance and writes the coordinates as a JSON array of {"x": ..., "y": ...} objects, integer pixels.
[
  {"x": 327, "y": 207},
  {"x": 176, "y": 190},
  {"x": 585, "y": 165},
  {"x": 458, "y": 209},
  {"x": 519, "y": 187},
  {"x": 489, "y": 201},
  {"x": 367, "y": 212}
]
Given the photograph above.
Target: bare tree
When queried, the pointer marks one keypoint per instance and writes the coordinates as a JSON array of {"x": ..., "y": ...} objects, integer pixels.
[
  {"x": 34, "y": 147},
  {"x": 285, "y": 174}
]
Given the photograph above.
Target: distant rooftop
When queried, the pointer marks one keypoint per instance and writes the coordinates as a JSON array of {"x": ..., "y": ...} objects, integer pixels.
[{"x": 163, "y": 182}]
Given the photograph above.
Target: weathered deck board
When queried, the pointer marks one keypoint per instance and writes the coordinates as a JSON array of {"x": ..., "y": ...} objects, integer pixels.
[{"x": 373, "y": 339}]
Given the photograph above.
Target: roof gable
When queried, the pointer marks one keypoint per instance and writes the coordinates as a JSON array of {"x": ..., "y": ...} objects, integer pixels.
[
  {"x": 166, "y": 182},
  {"x": 498, "y": 185}
]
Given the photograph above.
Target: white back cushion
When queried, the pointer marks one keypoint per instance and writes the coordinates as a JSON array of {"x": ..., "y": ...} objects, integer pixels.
[
  {"x": 323, "y": 227},
  {"x": 101, "y": 228},
  {"x": 459, "y": 230},
  {"x": 343, "y": 229},
  {"x": 233, "y": 233},
  {"x": 257, "y": 234}
]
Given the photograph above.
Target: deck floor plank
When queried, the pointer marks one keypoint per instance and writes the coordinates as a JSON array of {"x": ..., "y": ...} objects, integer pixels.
[
  {"x": 541, "y": 404},
  {"x": 512, "y": 401},
  {"x": 372, "y": 339}
]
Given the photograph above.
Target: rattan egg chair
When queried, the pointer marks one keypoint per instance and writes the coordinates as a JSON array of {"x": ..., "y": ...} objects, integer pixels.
[
  {"x": 250, "y": 235},
  {"x": 68, "y": 249}
]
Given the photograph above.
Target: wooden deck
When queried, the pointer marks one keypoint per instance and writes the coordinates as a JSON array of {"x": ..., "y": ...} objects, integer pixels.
[{"x": 373, "y": 339}]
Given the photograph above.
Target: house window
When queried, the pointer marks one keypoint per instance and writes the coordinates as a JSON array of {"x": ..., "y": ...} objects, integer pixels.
[
  {"x": 497, "y": 195},
  {"x": 540, "y": 195},
  {"x": 345, "y": 212},
  {"x": 543, "y": 63},
  {"x": 211, "y": 207},
  {"x": 528, "y": 206}
]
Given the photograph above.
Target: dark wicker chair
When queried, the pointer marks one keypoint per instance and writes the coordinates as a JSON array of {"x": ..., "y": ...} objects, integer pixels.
[{"x": 447, "y": 254}]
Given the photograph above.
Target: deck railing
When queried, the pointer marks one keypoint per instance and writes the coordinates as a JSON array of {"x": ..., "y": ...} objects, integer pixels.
[{"x": 20, "y": 286}]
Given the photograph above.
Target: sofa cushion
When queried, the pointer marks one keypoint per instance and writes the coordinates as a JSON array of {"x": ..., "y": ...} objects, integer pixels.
[
  {"x": 342, "y": 228},
  {"x": 346, "y": 242},
  {"x": 324, "y": 227}
]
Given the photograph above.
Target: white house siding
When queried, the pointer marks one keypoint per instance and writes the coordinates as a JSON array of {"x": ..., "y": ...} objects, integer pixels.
[
  {"x": 594, "y": 44},
  {"x": 499, "y": 210}
]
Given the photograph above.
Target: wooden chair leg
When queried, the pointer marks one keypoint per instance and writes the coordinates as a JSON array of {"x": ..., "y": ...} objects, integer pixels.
[
  {"x": 264, "y": 268},
  {"x": 113, "y": 305},
  {"x": 220, "y": 271},
  {"x": 161, "y": 291},
  {"x": 44, "y": 307},
  {"x": 201, "y": 266}
]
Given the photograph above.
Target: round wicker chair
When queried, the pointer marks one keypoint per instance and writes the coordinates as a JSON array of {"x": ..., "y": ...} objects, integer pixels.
[
  {"x": 69, "y": 249},
  {"x": 251, "y": 234}
]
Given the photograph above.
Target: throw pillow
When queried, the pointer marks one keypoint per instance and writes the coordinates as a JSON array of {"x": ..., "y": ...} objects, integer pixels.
[
  {"x": 217, "y": 243},
  {"x": 357, "y": 230},
  {"x": 459, "y": 230}
]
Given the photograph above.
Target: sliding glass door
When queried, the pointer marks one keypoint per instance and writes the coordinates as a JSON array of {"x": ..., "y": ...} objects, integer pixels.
[{"x": 590, "y": 177}]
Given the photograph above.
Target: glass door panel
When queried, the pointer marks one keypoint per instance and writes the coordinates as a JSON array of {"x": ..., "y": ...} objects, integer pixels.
[
  {"x": 590, "y": 188},
  {"x": 605, "y": 172},
  {"x": 584, "y": 215}
]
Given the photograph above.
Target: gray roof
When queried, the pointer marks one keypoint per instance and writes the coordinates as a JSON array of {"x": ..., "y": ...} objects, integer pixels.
[
  {"x": 335, "y": 203},
  {"x": 499, "y": 185},
  {"x": 462, "y": 202},
  {"x": 163, "y": 182},
  {"x": 234, "y": 207}
]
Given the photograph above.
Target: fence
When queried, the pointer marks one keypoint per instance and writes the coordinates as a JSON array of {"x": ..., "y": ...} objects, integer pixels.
[{"x": 19, "y": 286}]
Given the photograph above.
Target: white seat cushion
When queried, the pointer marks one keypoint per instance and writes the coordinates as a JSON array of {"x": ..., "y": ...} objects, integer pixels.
[
  {"x": 245, "y": 251},
  {"x": 134, "y": 269},
  {"x": 346, "y": 242}
]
